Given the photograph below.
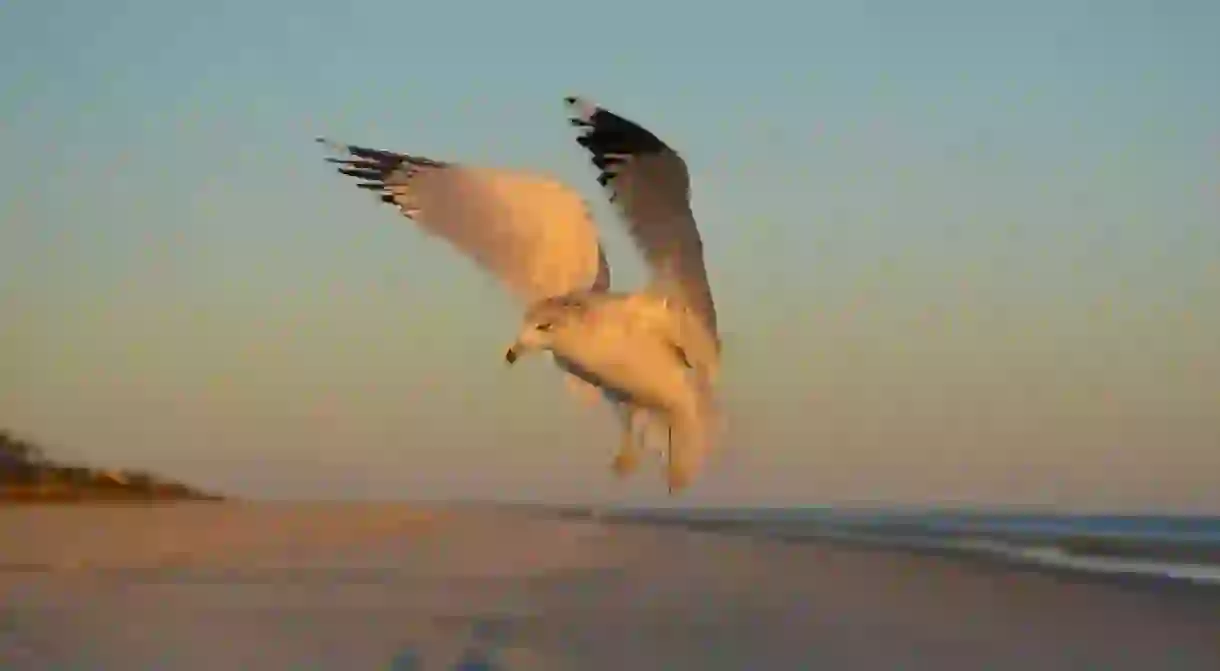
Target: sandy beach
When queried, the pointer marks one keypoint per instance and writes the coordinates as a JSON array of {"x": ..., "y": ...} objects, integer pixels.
[{"x": 396, "y": 587}]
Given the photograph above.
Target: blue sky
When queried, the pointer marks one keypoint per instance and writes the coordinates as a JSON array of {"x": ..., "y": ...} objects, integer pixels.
[{"x": 963, "y": 252}]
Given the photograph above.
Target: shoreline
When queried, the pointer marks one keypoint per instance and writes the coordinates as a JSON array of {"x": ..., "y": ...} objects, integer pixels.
[{"x": 29, "y": 475}]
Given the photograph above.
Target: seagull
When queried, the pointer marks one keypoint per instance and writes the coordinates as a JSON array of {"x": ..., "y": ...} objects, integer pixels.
[{"x": 650, "y": 353}]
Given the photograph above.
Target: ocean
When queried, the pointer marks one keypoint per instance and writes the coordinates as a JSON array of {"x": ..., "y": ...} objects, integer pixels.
[{"x": 1183, "y": 548}]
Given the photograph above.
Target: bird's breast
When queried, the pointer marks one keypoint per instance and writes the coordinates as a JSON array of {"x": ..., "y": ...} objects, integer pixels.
[{"x": 644, "y": 370}]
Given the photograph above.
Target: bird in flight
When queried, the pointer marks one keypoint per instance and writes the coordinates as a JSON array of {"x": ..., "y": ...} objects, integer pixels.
[{"x": 651, "y": 352}]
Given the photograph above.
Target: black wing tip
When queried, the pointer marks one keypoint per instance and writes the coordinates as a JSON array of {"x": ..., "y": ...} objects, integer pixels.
[
  {"x": 384, "y": 173},
  {"x": 583, "y": 110},
  {"x": 610, "y": 139},
  {"x": 333, "y": 145},
  {"x": 370, "y": 166},
  {"x": 607, "y": 132}
]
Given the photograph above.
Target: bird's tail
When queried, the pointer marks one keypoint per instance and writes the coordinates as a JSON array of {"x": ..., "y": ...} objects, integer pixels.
[{"x": 691, "y": 434}]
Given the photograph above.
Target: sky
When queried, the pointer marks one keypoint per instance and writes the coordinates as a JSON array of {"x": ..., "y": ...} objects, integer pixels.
[{"x": 963, "y": 253}]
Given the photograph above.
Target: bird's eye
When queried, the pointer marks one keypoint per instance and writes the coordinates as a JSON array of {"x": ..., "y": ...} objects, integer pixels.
[{"x": 544, "y": 326}]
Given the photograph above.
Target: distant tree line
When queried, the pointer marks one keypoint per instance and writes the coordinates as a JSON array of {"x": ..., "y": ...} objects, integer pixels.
[{"x": 28, "y": 474}]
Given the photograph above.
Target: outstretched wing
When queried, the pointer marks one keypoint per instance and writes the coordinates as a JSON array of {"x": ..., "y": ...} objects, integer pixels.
[
  {"x": 533, "y": 233},
  {"x": 649, "y": 183}
]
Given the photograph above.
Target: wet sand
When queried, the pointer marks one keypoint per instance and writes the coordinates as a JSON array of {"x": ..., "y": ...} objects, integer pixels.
[{"x": 384, "y": 586}]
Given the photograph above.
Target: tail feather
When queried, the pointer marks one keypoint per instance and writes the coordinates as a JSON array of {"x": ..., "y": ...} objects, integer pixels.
[{"x": 691, "y": 434}]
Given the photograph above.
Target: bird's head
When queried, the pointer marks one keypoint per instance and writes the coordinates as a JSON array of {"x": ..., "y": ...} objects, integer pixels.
[{"x": 545, "y": 323}]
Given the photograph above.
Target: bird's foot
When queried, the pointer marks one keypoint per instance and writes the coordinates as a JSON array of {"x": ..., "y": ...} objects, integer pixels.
[
  {"x": 676, "y": 479},
  {"x": 625, "y": 463}
]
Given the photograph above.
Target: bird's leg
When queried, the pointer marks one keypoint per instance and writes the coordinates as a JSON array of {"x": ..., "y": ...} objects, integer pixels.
[
  {"x": 669, "y": 456},
  {"x": 627, "y": 460},
  {"x": 687, "y": 446}
]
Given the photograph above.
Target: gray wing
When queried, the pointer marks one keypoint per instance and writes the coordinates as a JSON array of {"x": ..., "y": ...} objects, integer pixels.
[
  {"x": 533, "y": 233},
  {"x": 648, "y": 182}
]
